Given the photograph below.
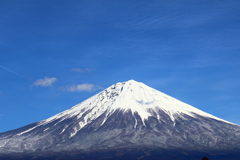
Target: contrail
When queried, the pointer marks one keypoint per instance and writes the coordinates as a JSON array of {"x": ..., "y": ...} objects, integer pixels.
[{"x": 8, "y": 70}]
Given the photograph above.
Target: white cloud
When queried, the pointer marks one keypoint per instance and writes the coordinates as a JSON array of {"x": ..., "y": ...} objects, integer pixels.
[
  {"x": 81, "y": 70},
  {"x": 77, "y": 70},
  {"x": 45, "y": 82},
  {"x": 81, "y": 87}
]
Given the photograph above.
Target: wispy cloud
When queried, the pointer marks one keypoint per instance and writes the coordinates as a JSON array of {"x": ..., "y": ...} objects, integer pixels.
[
  {"x": 80, "y": 87},
  {"x": 81, "y": 70},
  {"x": 45, "y": 82},
  {"x": 8, "y": 70}
]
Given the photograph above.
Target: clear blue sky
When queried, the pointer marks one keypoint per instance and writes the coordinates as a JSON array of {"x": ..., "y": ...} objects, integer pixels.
[{"x": 55, "y": 54}]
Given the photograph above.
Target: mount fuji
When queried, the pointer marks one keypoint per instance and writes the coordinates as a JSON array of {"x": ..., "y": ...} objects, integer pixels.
[{"x": 128, "y": 120}]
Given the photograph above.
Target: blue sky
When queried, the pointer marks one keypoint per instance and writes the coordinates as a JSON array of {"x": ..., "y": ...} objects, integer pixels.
[{"x": 55, "y": 54}]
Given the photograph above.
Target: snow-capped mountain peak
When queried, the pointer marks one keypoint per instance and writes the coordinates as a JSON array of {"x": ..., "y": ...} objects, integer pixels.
[
  {"x": 126, "y": 114},
  {"x": 140, "y": 98},
  {"x": 130, "y": 96}
]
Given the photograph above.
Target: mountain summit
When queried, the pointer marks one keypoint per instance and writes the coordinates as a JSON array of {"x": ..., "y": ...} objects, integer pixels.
[{"x": 126, "y": 115}]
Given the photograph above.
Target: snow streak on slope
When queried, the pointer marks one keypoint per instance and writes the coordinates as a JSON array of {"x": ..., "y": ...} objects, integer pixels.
[{"x": 126, "y": 96}]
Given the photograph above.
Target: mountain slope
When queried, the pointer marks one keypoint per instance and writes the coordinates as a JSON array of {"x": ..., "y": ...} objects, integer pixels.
[{"x": 125, "y": 115}]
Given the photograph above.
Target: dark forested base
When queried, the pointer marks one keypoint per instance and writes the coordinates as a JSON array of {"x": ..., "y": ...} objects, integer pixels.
[{"x": 128, "y": 155}]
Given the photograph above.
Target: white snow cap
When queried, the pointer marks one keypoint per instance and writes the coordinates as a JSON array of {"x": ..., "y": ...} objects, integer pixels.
[
  {"x": 138, "y": 97},
  {"x": 134, "y": 96},
  {"x": 127, "y": 96}
]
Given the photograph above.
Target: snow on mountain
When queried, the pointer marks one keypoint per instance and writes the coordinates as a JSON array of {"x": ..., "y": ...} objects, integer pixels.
[
  {"x": 131, "y": 95},
  {"x": 126, "y": 114}
]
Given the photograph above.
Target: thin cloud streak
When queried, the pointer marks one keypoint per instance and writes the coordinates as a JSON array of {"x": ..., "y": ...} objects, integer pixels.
[
  {"x": 9, "y": 70},
  {"x": 81, "y": 70},
  {"x": 80, "y": 87}
]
